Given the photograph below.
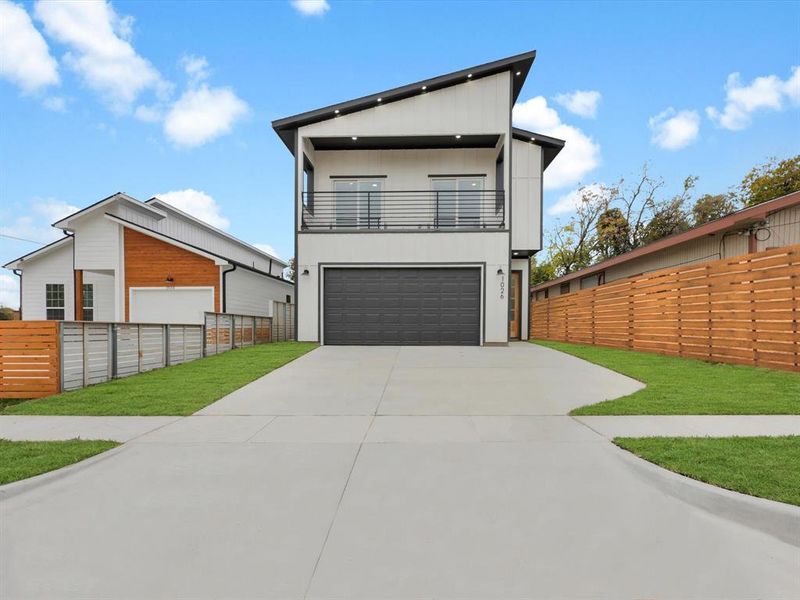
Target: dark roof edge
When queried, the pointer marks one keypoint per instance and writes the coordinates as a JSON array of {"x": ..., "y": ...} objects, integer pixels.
[
  {"x": 61, "y": 240},
  {"x": 550, "y": 146},
  {"x": 522, "y": 63},
  {"x": 230, "y": 260},
  {"x": 741, "y": 217}
]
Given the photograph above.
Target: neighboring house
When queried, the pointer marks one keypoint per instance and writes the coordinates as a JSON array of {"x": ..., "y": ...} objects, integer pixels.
[
  {"x": 416, "y": 211},
  {"x": 772, "y": 224},
  {"x": 126, "y": 260}
]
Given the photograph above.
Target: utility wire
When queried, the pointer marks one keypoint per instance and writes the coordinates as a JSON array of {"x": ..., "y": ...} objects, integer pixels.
[{"x": 13, "y": 237}]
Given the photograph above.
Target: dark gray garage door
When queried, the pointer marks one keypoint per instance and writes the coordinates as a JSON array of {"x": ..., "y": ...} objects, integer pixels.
[{"x": 408, "y": 306}]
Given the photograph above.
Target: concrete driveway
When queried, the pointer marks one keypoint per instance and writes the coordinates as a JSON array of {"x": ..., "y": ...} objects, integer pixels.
[{"x": 383, "y": 473}]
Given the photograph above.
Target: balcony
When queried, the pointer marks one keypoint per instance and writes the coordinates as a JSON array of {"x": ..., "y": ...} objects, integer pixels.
[{"x": 427, "y": 210}]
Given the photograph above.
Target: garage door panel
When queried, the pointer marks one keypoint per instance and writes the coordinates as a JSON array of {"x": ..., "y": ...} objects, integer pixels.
[{"x": 402, "y": 306}]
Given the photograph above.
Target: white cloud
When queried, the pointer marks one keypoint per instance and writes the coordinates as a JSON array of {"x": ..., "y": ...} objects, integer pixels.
[
  {"x": 203, "y": 114},
  {"x": 149, "y": 114},
  {"x": 582, "y": 103},
  {"x": 581, "y": 154},
  {"x": 570, "y": 201},
  {"x": 196, "y": 68},
  {"x": 311, "y": 7},
  {"x": 25, "y": 59},
  {"x": 100, "y": 50},
  {"x": 198, "y": 204},
  {"x": 55, "y": 103},
  {"x": 268, "y": 249},
  {"x": 763, "y": 93},
  {"x": 9, "y": 291},
  {"x": 36, "y": 226},
  {"x": 673, "y": 130}
]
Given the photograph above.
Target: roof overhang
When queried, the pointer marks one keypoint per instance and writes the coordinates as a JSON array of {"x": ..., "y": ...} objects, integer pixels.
[
  {"x": 410, "y": 142},
  {"x": 121, "y": 197},
  {"x": 550, "y": 146},
  {"x": 17, "y": 263},
  {"x": 737, "y": 221},
  {"x": 519, "y": 65},
  {"x": 218, "y": 260}
]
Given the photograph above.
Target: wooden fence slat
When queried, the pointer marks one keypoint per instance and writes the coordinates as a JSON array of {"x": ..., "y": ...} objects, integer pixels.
[{"x": 741, "y": 310}]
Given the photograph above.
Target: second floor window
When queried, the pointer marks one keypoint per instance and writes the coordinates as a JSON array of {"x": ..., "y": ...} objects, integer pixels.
[
  {"x": 358, "y": 203},
  {"x": 54, "y": 301},
  {"x": 88, "y": 302},
  {"x": 457, "y": 201}
]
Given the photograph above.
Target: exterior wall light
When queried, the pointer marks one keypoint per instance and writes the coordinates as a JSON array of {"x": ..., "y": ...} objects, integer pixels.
[
  {"x": 169, "y": 279},
  {"x": 305, "y": 271},
  {"x": 354, "y": 138},
  {"x": 500, "y": 271},
  {"x": 458, "y": 137}
]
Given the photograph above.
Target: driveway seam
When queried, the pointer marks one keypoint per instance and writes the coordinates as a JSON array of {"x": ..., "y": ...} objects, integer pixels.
[{"x": 347, "y": 481}]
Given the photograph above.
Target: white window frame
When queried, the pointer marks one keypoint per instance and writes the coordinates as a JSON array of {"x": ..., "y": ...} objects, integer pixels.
[
  {"x": 90, "y": 306},
  {"x": 48, "y": 307}
]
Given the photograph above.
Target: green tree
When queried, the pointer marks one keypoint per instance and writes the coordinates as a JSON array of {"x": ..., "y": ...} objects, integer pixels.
[
  {"x": 710, "y": 207},
  {"x": 541, "y": 272},
  {"x": 612, "y": 233},
  {"x": 7, "y": 314},
  {"x": 771, "y": 180}
]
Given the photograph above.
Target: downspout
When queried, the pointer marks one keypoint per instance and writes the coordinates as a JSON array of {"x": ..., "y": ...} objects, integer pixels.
[
  {"x": 225, "y": 287},
  {"x": 18, "y": 273},
  {"x": 74, "y": 290}
]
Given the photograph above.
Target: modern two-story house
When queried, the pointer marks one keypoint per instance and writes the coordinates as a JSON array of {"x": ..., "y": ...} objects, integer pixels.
[
  {"x": 148, "y": 262},
  {"x": 417, "y": 210}
]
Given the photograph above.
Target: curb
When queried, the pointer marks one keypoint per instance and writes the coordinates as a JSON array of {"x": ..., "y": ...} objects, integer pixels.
[
  {"x": 15, "y": 488},
  {"x": 768, "y": 516}
]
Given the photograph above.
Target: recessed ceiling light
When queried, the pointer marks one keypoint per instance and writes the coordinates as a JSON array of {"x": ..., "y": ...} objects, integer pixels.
[
  {"x": 424, "y": 87},
  {"x": 458, "y": 136},
  {"x": 336, "y": 111},
  {"x": 469, "y": 75},
  {"x": 380, "y": 99},
  {"x": 354, "y": 138},
  {"x": 519, "y": 73}
]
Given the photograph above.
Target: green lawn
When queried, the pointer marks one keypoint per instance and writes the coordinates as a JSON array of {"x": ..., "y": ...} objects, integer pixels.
[
  {"x": 681, "y": 386},
  {"x": 20, "y": 460},
  {"x": 179, "y": 390},
  {"x": 759, "y": 466}
]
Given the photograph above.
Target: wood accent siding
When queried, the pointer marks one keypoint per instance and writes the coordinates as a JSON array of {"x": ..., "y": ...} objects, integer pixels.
[
  {"x": 148, "y": 263},
  {"x": 78, "y": 295},
  {"x": 29, "y": 359},
  {"x": 742, "y": 310}
]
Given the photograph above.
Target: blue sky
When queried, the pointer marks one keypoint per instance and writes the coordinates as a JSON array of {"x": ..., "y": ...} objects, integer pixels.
[{"x": 150, "y": 98}]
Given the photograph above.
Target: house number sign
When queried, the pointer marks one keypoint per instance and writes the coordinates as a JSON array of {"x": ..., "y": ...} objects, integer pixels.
[{"x": 502, "y": 287}]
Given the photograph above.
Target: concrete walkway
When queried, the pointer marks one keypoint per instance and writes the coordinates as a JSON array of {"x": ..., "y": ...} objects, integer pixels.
[
  {"x": 384, "y": 473},
  {"x": 45, "y": 428},
  {"x": 692, "y": 425}
]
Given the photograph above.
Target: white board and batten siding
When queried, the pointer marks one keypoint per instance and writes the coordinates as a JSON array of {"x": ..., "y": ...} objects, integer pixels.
[
  {"x": 526, "y": 196},
  {"x": 248, "y": 293},
  {"x": 54, "y": 266}
]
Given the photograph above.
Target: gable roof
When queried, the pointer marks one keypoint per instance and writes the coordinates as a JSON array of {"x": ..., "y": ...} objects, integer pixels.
[
  {"x": 15, "y": 264},
  {"x": 740, "y": 219},
  {"x": 119, "y": 196},
  {"x": 550, "y": 146},
  {"x": 519, "y": 64},
  {"x": 218, "y": 259}
]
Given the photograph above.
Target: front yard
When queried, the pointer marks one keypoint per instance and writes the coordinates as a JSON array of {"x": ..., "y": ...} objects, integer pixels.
[
  {"x": 20, "y": 460},
  {"x": 681, "y": 386},
  {"x": 179, "y": 390},
  {"x": 760, "y": 466}
]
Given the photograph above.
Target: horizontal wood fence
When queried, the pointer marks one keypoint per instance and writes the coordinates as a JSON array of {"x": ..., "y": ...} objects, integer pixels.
[
  {"x": 41, "y": 358},
  {"x": 742, "y": 310},
  {"x": 29, "y": 359}
]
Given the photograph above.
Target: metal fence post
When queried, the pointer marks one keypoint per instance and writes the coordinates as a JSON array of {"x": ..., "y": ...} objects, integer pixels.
[{"x": 165, "y": 339}]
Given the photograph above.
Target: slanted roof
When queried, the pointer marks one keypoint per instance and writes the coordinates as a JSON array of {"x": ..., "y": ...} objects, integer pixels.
[
  {"x": 156, "y": 201},
  {"x": 16, "y": 263},
  {"x": 550, "y": 146},
  {"x": 218, "y": 259},
  {"x": 735, "y": 221},
  {"x": 118, "y": 197},
  {"x": 519, "y": 65}
]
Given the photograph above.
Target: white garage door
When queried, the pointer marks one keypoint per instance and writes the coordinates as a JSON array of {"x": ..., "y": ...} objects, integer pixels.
[{"x": 170, "y": 305}]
